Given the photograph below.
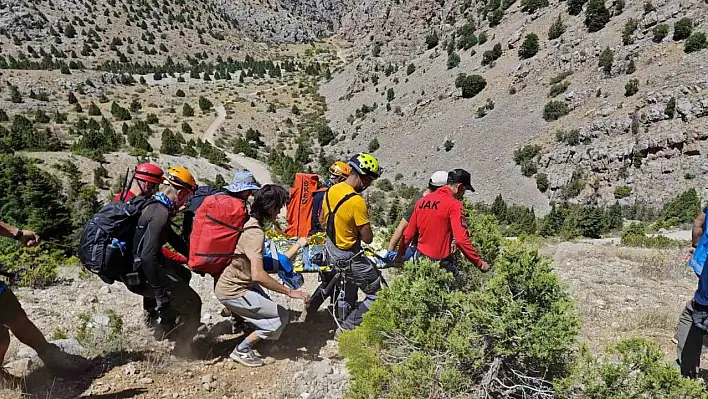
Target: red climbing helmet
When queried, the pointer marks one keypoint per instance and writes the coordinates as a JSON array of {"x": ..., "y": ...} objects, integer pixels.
[{"x": 148, "y": 172}]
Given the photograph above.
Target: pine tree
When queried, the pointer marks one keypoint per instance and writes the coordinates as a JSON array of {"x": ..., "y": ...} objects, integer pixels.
[
  {"x": 394, "y": 212},
  {"x": 596, "y": 15},
  {"x": 557, "y": 29},
  {"x": 204, "y": 104},
  {"x": 72, "y": 98},
  {"x": 94, "y": 110},
  {"x": 575, "y": 6},
  {"x": 499, "y": 208},
  {"x": 606, "y": 60},
  {"x": 15, "y": 96},
  {"x": 187, "y": 111},
  {"x": 170, "y": 143},
  {"x": 529, "y": 48}
]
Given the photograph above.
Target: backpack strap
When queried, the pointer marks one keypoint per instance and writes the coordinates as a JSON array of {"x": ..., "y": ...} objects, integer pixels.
[{"x": 330, "y": 231}]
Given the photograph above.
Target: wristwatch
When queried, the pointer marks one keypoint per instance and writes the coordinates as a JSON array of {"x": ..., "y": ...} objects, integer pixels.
[{"x": 17, "y": 235}]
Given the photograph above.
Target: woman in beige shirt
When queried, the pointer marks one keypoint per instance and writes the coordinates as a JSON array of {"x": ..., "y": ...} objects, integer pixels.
[{"x": 234, "y": 287}]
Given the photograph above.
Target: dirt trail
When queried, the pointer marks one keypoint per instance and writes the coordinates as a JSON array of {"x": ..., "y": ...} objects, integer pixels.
[{"x": 258, "y": 168}]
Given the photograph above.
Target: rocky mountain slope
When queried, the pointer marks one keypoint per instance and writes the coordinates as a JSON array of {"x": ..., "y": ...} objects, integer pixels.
[{"x": 625, "y": 139}]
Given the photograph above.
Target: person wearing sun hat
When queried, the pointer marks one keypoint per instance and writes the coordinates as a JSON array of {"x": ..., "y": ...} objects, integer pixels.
[
  {"x": 243, "y": 185},
  {"x": 437, "y": 180}
]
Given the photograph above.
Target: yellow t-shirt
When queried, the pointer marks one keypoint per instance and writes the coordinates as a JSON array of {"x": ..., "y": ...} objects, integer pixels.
[{"x": 351, "y": 216}]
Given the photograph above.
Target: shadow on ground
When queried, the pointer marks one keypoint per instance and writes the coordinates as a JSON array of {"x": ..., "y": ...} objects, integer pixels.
[
  {"x": 300, "y": 339},
  {"x": 41, "y": 383}
]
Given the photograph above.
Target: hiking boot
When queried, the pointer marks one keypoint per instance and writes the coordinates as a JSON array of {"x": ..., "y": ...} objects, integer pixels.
[
  {"x": 61, "y": 363},
  {"x": 248, "y": 358}
]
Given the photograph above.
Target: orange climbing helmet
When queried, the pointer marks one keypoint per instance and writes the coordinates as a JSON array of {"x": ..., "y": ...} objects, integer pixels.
[
  {"x": 180, "y": 177},
  {"x": 340, "y": 170}
]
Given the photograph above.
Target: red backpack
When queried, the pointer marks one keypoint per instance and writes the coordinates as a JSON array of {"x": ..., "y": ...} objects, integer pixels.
[{"x": 218, "y": 223}]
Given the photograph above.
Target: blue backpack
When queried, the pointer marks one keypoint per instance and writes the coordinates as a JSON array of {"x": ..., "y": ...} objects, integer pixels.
[
  {"x": 275, "y": 262},
  {"x": 701, "y": 252}
]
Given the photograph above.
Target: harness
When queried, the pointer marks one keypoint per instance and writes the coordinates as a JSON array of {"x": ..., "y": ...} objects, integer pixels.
[{"x": 329, "y": 229}]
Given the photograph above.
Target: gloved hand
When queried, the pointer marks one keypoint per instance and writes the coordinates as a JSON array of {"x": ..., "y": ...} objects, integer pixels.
[
  {"x": 700, "y": 319},
  {"x": 391, "y": 255}
]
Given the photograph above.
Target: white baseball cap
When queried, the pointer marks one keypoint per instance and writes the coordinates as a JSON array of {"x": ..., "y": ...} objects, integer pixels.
[{"x": 438, "y": 179}]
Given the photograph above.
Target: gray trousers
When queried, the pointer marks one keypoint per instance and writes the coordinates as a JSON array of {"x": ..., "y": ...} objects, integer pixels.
[
  {"x": 690, "y": 343},
  {"x": 359, "y": 273},
  {"x": 257, "y": 308}
]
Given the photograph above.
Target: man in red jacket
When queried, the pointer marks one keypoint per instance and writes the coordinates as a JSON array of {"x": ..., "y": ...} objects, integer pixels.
[{"x": 437, "y": 219}]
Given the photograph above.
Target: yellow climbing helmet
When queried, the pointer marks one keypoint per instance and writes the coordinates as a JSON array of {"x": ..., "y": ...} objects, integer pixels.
[
  {"x": 180, "y": 177},
  {"x": 366, "y": 164},
  {"x": 340, "y": 169}
]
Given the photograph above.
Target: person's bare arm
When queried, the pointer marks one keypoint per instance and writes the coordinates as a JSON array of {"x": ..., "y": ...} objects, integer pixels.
[
  {"x": 26, "y": 237},
  {"x": 366, "y": 234},
  {"x": 397, "y": 235},
  {"x": 697, "y": 230},
  {"x": 259, "y": 276},
  {"x": 302, "y": 242}
]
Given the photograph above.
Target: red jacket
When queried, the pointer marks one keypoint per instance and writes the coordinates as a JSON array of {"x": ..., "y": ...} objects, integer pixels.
[
  {"x": 438, "y": 218},
  {"x": 166, "y": 252}
]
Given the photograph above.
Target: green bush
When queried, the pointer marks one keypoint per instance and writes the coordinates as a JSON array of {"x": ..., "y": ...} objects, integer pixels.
[
  {"x": 187, "y": 110},
  {"x": 518, "y": 323},
  {"x": 530, "y": 6},
  {"x": 575, "y": 6},
  {"x": 453, "y": 60},
  {"x": 528, "y": 168},
  {"x": 596, "y": 15},
  {"x": 432, "y": 40},
  {"x": 622, "y": 192},
  {"x": 119, "y": 112},
  {"x": 660, "y": 32},
  {"x": 38, "y": 266},
  {"x": 631, "y": 67},
  {"x": 204, "y": 104},
  {"x": 635, "y": 235},
  {"x": 557, "y": 29},
  {"x": 465, "y": 36},
  {"x": 180, "y": 93},
  {"x": 683, "y": 29},
  {"x": 572, "y": 137},
  {"x": 93, "y": 110},
  {"x": 542, "y": 182},
  {"x": 631, "y": 88},
  {"x": 526, "y": 153},
  {"x": 471, "y": 85},
  {"x": 559, "y": 88},
  {"x": 631, "y": 368},
  {"x": 410, "y": 69},
  {"x": 554, "y": 110},
  {"x": 696, "y": 42},
  {"x": 529, "y": 47},
  {"x": 682, "y": 208},
  {"x": 629, "y": 27},
  {"x": 390, "y": 95},
  {"x": 606, "y": 60},
  {"x": 492, "y": 55}
]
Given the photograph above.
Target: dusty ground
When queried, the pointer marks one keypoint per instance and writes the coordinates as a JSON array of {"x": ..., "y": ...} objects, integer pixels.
[
  {"x": 620, "y": 292},
  {"x": 624, "y": 292}
]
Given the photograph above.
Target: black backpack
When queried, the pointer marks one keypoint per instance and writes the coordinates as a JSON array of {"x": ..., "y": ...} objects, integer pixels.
[
  {"x": 193, "y": 203},
  {"x": 105, "y": 248}
]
